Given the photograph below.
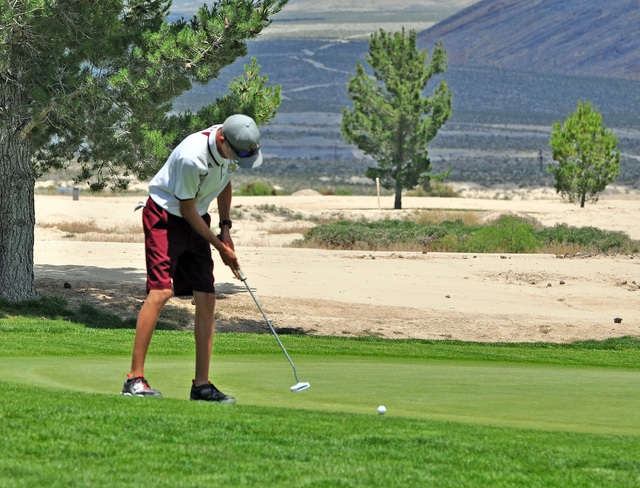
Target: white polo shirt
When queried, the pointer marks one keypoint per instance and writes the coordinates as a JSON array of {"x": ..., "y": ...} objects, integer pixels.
[{"x": 194, "y": 169}]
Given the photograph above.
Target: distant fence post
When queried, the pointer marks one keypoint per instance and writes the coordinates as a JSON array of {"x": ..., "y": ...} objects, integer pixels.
[{"x": 378, "y": 191}]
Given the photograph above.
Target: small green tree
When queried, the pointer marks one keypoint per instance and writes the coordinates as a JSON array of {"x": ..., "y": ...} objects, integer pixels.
[
  {"x": 587, "y": 155},
  {"x": 391, "y": 120}
]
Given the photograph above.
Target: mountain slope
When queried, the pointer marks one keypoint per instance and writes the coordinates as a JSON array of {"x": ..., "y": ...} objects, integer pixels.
[
  {"x": 575, "y": 37},
  {"x": 300, "y": 8}
]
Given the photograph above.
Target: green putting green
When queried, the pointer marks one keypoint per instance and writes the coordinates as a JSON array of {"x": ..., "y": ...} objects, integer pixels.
[{"x": 548, "y": 397}]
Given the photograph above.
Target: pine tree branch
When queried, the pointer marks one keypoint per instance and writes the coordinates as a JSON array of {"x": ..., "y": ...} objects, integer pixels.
[{"x": 24, "y": 133}]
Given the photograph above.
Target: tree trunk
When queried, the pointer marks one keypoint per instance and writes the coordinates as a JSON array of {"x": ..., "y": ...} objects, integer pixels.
[
  {"x": 17, "y": 207},
  {"x": 397, "y": 205}
]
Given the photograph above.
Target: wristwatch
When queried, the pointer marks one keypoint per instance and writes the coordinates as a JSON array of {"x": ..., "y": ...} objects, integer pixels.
[{"x": 225, "y": 222}]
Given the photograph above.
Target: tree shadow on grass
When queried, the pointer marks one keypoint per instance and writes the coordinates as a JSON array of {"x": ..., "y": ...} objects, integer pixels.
[
  {"x": 57, "y": 308},
  {"x": 94, "y": 305},
  {"x": 109, "y": 305}
]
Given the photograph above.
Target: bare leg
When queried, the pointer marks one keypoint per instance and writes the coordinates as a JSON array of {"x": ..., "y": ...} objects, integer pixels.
[
  {"x": 147, "y": 318},
  {"x": 203, "y": 331}
]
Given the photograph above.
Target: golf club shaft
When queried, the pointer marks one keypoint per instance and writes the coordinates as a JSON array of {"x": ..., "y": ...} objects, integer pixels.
[{"x": 243, "y": 278}]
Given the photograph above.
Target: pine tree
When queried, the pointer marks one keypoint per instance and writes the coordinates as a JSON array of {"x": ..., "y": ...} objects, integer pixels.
[
  {"x": 587, "y": 155},
  {"x": 92, "y": 81},
  {"x": 391, "y": 120}
]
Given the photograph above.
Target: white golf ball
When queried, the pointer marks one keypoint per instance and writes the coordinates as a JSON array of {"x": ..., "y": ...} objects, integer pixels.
[{"x": 382, "y": 409}]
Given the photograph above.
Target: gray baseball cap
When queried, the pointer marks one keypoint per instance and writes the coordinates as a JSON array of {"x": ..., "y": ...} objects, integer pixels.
[{"x": 243, "y": 136}]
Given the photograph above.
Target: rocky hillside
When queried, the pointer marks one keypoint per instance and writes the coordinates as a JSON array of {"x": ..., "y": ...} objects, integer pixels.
[{"x": 571, "y": 37}]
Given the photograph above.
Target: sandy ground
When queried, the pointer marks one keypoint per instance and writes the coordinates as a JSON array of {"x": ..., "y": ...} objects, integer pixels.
[{"x": 483, "y": 297}]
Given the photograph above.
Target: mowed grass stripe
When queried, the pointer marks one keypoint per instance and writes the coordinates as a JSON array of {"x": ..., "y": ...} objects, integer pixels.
[
  {"x": 547, "y": 397},
  {"x": 59, "y": 438}
]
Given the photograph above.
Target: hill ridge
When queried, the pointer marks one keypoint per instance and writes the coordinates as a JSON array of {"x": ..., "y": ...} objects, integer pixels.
[{"x": 572, "y": 37}]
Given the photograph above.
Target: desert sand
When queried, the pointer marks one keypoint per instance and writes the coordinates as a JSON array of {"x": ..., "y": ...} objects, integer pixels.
[{"x": 476, "y": 297}]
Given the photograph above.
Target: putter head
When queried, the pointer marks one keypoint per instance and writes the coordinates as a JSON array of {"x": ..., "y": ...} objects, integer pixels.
[{"x": 302, "y": 385}]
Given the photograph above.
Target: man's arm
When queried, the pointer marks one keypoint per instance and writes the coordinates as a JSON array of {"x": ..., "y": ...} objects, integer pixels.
[{"x": 224, "y": 212}]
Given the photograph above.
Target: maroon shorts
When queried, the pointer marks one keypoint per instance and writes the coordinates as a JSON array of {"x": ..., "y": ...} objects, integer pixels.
[{"x": 175, "y": 253}]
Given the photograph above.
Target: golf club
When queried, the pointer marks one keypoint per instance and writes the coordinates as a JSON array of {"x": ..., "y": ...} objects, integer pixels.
[{"x": 300, "y": 385}]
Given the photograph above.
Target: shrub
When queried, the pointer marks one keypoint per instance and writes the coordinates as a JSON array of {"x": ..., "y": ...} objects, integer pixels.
[
  {"x": 342, "y": 192},
  {"x": 589, "y": 238},
  {"x": 436, "y": 189},
  {"x": 383, "y": 235},
  {"x": 256, "y": 189},
  {"x": 506, "y": 234}
]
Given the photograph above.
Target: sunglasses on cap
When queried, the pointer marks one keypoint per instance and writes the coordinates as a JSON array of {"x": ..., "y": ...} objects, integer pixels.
[{"x": 245, "y": 153}]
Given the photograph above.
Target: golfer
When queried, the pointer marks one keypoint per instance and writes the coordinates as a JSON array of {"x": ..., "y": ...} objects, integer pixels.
[{"x": 178, "y": 239}]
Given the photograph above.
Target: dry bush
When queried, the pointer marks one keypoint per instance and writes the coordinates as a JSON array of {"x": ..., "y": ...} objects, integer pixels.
[
  {"x": 289, "y": 229},
  {"x": 468, "y": 217},
  {"x": 90, "y": 231}
]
